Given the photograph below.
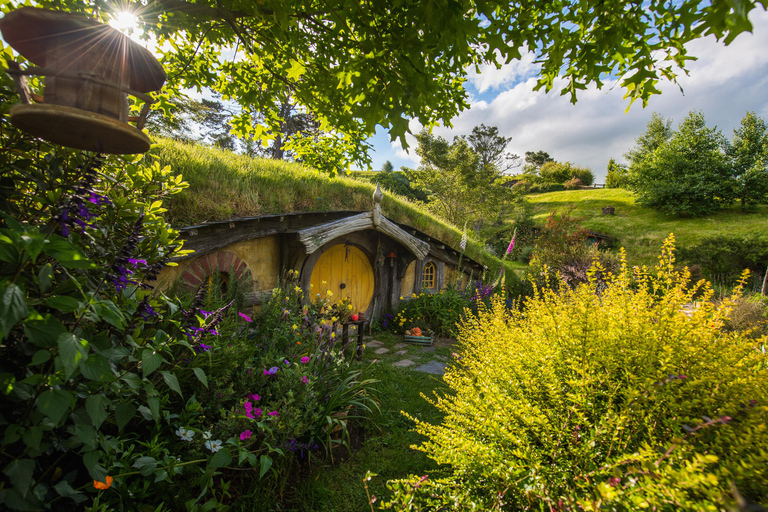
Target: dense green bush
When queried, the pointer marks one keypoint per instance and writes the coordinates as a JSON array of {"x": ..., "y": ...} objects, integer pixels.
[
  {"x": 437, "y": 312},
  {"x": 544, "y": 187},
  {"x": 560, "y": 172},
  {"x": 728, "y": 255},
  {"x": 562, "y": 254},
  {"x": 604, "y": 398}
]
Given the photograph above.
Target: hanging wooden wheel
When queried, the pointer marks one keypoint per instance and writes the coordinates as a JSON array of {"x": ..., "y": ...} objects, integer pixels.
[
  {"x": 347, "y": 272},
  {"x": 78, "y": 128}
]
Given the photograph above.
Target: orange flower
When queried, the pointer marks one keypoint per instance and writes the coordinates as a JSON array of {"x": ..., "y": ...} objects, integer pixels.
[
  {"x": 102, "y": 485},
  {"x": 298, "y": 343}
]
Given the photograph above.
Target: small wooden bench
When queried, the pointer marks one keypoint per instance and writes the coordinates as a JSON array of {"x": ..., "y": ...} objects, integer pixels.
[{"x": 360, "y": 329}]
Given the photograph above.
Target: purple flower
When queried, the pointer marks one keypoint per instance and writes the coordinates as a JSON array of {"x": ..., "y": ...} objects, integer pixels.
[
  {"x": 287, "y": 362},
  {"x": 305, "y": 359},
  {"x": 254, "y": 397},
  {"x": 245, "y": 435},
  {"x": 304, "y": 379},
  {"x": 273, "y": 370},
  {"x": 273, "y": 413},
  {"x": 244, "y": 316}
]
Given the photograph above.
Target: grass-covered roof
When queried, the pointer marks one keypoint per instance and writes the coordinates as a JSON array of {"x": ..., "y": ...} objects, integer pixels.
[{"x": 224, "y": 185}]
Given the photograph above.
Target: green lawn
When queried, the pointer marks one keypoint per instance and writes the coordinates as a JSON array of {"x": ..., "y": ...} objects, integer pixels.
[
  {"x": 641, "y": 230},
  {"x": 386, "y": 450}
]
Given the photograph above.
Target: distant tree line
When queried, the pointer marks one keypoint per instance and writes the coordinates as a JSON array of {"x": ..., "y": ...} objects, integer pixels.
[{"x": 695, "y": 170}]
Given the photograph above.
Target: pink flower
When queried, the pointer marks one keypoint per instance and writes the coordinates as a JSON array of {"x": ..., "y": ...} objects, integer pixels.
[
  {"x": 248, "y": 406},
  {"x": 305, "y": 379},
  {"x": 305, "y": 359},
  {"x": 245, "y": 435},
  {"x": 254, "y": 413},
  {"x": 254, "y": 397},
  {"x": 273, "y": 413},
  {"x": 244, "y": 316}
]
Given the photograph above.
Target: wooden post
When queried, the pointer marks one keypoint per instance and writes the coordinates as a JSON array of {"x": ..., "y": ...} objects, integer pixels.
[{"x": 765, "y": 278}]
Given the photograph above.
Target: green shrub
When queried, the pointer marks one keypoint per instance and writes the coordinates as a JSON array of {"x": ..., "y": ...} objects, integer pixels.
[
  {"x": 438, "y": 312},
  {"x": 542, "y": 188},
  {"x": 727, "y": 256},
  {"x": 560, "y": 172},
  {"x": 600, "y": 399}
]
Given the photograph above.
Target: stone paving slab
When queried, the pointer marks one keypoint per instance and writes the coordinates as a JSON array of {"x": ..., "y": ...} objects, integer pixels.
[
  {"x": 400, "y": 345},
  {"x": 374, "y": 344},
  {"x": 441, "y": 358},
  {"x": 403, "y": 363},
  {"x": 381, "y": 350},
  {"x": 428, "y": 349},
  {"x": 433, "y": 367},
  {"x": 401, "y": 352}
]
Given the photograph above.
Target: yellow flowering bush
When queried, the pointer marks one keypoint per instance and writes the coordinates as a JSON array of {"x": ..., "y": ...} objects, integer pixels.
[{"x": 608, "y": 397}]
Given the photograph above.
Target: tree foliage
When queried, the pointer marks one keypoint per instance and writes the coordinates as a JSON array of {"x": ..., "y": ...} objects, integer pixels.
[
  {"x": 358, "y": 64},
  {"x": 748, "y": 152},
  {"x": 617, "y": 175},
  {"x": 657, "y": 132},
  {"x": 688, "y": 174},
  {"x": 459, "y": 188},
  {"x": 492, "y": 149},
  {"x": 560, "y": 172}
]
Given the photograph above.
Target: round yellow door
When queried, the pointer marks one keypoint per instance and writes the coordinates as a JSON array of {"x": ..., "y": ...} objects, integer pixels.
[{"x": 346, "y": 271}]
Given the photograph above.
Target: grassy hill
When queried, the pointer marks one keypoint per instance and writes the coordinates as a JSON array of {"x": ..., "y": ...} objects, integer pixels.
[
  {"x": 224, "y": 185},
  {"x": 641, "y": 230}
]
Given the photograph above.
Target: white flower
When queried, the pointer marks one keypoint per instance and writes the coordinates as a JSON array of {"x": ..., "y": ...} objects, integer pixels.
[
  {"x": 184, "y": 434},
  {"x": 214, "y": 446},
  {"x": 206, "y": 435}
]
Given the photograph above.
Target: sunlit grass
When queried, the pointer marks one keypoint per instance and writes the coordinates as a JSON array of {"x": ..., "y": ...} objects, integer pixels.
[
  {"x": 225, "y": 185},
  {"x": 640, "y": 230}
]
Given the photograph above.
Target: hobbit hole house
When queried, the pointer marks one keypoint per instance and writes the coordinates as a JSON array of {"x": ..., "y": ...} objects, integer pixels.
[{"x": 342, "y": 252}]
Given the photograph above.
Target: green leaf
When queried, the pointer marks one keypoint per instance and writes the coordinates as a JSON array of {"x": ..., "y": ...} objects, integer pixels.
[
  {"x": 150, "y": 361},
  {"x": 19, "y": 472},
  {"x": 97, "y": 368},
  {"x": 123, "y": 414},
  {"x": 266, "y": 463},
  {"x": 40, "y": 357},
  {"x": 12, "y": 308},
  {"x": 63, "y": 303},
  {"x": 43, "y": 331},
  {"x": 45, "y": 277},
  {"x": 66, "y": 490},
  {"x": 172, "y": 382},
  {"x": 87, "y": 435},
  {"x": 91, "y": 460},
  {"x": 33, "y": 243},
  {"x": 55, "y": 403},
  {"x": 220, "y": 459},
  {"x": 200, "y": 373},
  {"x": 154, "y": 407},
  {"x": 72, "y": 350},
  {"x": 107, "y": 310},
  {"x": 67, "y": 254},
  {"x": 96, "y": 405},
  {"x": 32, "y": 437},
  {"x": 145, "y": 465}
]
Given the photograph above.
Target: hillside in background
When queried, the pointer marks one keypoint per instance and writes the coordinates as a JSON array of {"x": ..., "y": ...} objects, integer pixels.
[
  {"x": 642, "y": 230},
  {"x": 224, "y": 185}
]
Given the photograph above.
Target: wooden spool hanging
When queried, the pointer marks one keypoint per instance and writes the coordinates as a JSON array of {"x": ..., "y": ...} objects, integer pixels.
[{"x": 89, "y": 70}]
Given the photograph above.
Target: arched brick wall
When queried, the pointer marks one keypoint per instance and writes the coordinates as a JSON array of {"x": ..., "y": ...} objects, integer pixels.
[{"x": 204, "y": 266}]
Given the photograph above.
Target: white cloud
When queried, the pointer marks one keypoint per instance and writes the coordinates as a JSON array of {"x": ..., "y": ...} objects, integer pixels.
[{"x": 491, "y": 77}]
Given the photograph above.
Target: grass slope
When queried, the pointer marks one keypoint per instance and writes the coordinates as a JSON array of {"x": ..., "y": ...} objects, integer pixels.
[
  {"x": 224, "y": 185},
  {"x": 641, "y": 230}
]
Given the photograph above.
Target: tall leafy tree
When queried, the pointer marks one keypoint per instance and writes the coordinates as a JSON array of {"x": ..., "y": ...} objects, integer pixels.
[
  {"x": 748, "y": 152},
  {"x": 358, "y": 64},
  {"x": 617, "y": 175},
  {"x": 536, "y": 160},
  {"x": 688, "y": 174},
  {"x": 492, "y": 149},
  {"x": 657, "y": 132},
  {"x": 459, "y": 188}
]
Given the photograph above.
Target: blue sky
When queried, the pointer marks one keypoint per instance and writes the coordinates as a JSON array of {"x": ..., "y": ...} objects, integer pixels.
[{"x": 723, "y": 83}]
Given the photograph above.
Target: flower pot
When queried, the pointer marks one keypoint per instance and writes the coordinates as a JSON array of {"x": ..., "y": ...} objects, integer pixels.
[{"x": 420, "y": 340}]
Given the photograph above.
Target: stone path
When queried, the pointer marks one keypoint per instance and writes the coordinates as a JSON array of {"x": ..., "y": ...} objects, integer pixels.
[{"x": 432, "y": 359}]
